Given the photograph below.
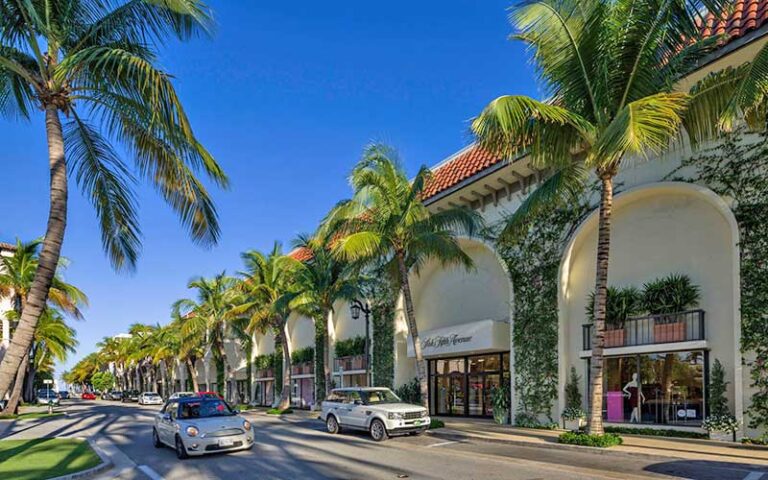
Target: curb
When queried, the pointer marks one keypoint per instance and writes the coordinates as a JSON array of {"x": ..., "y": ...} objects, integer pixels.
[
  {"x": 105, "y": 464},
  {"x": 457, "y": 435}
]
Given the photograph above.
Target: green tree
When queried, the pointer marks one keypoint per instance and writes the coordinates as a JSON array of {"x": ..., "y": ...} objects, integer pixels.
[
  {"x": 717, "y": 396},
  {"x": 103, "y": 381},
  {"x": 386, "y": 223},
  {"x": 322, "y": 280},
  {"x": 609, "y": 71},
  {"x": 267, "y": 290},
  {"x": 209, "y": 313},
  {"x": 95, "y": 63}
]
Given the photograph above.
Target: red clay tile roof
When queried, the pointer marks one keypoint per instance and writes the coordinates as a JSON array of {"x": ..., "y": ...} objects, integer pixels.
[
  {"x": 746, "y": 16},
  {"x": 463, "y": 165},
  {"x": 7, "y": 246},
  {"x": 301, "y": 254}
]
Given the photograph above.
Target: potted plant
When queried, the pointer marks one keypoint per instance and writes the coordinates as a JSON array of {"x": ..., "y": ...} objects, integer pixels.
[
  {"x": 666, "y": 297},
  {"x": 720, "y": 424},
  {"x": 573, "y": 416},
  {"x": 501, "y": 402},
  {"x": 620, "y": 304}
]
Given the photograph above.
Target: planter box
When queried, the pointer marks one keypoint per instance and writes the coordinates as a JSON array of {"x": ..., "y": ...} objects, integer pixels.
[
  {"x": 615, "y": 337},
  {"x": 669, "y": 332},
  {"x": 574, "y": 425},
  {"x": 723, "y": 436},
  {"x": 501, "y": 416}
]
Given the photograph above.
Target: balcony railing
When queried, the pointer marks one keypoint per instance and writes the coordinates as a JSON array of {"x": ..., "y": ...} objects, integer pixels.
[
  {"x": 306, "y": 368},
  {"x": 265, "y": 373},
  {"x": 354, "y": 362},
  {"x": 653, "y": 329}
]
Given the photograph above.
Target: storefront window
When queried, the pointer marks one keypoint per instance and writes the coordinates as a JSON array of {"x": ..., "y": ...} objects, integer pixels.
[
  {"x": 456, "y": 390},
  {"x": 659, "y": 388}
]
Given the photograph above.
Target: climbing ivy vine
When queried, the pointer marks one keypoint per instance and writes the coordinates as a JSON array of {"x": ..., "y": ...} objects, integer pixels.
[
  {"x": 533, "y": 261},
  {"x": 736, "y": 170}
]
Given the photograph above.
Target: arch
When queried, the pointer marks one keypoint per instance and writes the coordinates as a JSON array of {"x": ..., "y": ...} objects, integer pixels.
[
  {"x": 650, "y": 240},
  {"x": 448, "y": 296},
  {"x": 301, "y": 332}
]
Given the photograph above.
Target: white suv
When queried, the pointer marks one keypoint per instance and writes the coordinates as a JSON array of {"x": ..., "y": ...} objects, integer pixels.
[{"x": 377, "y": 410}]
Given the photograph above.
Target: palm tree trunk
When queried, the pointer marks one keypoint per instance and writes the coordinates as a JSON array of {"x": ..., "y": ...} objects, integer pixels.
[
  {"x": 595, "y": 425},
  {"x": 49, "y": 255},
  {"x": 285, "y": 394},
  {"x": 410, "y": 317},
  {"x": 327, "y": 352},
  {"x": 13, "y": 402},
  {"x": 193, "y": 373},
  {"x": 321, "y": 358}
]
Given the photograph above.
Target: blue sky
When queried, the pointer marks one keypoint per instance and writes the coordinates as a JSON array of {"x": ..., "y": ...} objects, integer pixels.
[{"x": 285, "y": 95}]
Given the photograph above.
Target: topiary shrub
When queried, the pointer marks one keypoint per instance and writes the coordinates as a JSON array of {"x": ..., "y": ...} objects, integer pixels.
[{"x": 590, "y": 440}]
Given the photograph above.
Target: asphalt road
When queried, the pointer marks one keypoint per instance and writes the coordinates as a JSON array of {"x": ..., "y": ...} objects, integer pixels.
[{"x": 297, "y": 448}]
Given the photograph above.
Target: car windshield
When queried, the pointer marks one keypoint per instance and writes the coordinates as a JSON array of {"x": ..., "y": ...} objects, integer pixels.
[
  {"x": 45, "y": 393},
  {"x": 379, "y": 397},
  {"x": 151, "y": 395},
  {"x": 209, "y": 407}
]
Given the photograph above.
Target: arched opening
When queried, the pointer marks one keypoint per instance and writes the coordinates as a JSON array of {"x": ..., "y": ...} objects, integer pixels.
[
  {"x": 463, "y": 318},
  {"x": 301, "y": 341},
  {"x": 656, "y": 365}
]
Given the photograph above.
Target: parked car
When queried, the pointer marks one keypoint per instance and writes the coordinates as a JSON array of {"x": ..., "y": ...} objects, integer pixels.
[
  {"x": 130, "y": 396},
  {"x": 45, "y": 396},
  {"x": 376, "y": 410},
  {"x": 196, "y": 426},
  {"x": 88, "y": 396},
  {"x": 150, "y": 398},
  {"x": 112, "y": 395},
  {"x": 178, "y": 395},
  {"x": 64, "y": 395}
]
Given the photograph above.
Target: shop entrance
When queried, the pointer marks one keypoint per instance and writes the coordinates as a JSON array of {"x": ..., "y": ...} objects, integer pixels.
[{"x": 462, "y": 386}]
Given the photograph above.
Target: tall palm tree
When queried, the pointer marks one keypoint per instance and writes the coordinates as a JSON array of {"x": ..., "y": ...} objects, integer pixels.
[
  {"x": 267, "y": 289},
  {"x": 208, "y": 313},
  {"x": 17, "y": 273},
  {"x": 609, "y": 71},
  {"x": 386, "y": 222},
  {"x": 54, "y": 342},
  {"x": 95, "y": 62},
  {"x": 192, "y": 336},
  {"x": 321, "y": 281}
]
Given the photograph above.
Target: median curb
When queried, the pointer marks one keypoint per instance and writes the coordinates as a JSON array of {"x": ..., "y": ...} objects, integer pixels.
[
  {"x": 105, "y": 464},
  {"x": 458, "y": 435}
]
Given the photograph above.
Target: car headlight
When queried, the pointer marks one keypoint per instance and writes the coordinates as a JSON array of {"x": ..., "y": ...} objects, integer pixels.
[
  {"x": 246, "y": 425},
  {"x": 395, "y": 416},
  {"x": 192, "y": 431},
  {"x": 424, "y": 413}
]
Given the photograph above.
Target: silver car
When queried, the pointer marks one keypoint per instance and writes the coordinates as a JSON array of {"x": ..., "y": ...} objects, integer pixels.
[
  {"x": 196, "y": 426},
  {"x": 150, "y": 398}
]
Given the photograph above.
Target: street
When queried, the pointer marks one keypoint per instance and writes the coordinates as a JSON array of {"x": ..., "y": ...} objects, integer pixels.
[{"x": 296, "y": 447}]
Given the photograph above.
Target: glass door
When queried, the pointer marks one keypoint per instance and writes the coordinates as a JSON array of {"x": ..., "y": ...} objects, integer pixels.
[
  {"x": 491, "y": 381},
  {"x": 475, "y": 399}
]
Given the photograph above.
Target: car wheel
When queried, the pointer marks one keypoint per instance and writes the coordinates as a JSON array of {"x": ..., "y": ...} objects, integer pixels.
[
  {"x": 156, "y": 439},
  {"x": 378, "y": 430},
  {"x": 181, "y": 452},
  {"x": 332, "y": 425}
]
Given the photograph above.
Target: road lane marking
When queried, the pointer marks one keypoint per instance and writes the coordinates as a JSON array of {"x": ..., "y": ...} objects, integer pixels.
[
  {"x": 150, "y": 473},
  {"x": 449, "y": 443},
  {"x": 754, "y": 476}
]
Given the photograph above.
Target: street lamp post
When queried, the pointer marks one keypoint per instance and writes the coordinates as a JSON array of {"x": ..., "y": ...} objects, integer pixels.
[{"x": 356, "y": 307}]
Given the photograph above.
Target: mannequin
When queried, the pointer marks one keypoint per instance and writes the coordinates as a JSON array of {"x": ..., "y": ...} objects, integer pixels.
[{"x": 636, "y": 398}]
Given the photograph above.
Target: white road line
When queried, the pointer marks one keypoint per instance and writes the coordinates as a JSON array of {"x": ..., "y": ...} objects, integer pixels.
[
  {"x": 150, "y": 473},
  {"x": 448, "y": 443},
  {"x": 754, "y": 476}
]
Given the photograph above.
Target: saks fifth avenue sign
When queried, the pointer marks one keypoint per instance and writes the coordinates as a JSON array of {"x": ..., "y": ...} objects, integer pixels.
[{"x": 473, "y": 337}]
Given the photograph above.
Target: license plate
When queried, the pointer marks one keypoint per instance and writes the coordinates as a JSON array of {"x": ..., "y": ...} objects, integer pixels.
[
  {"x": 417, "y": 422},
  {"x": 226, "y": 442}
]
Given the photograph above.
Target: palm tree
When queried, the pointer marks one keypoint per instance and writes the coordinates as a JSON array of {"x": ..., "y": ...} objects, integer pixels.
[
  {"x": 16, "y": 277},
  {"x": 321, "y": 281},
  {"x": 268, "y": 289},
  {"x": 208, "y": 313},
  {"x": 95, "y": 63},
  {"x": 609, "y": 70},
  {"x": 386, "y": 222},
  {"x": 54, "y": 342},
  {"x": 192, "y": 336}
]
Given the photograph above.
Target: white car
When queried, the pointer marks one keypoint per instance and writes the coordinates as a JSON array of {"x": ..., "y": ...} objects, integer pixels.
[
  {"x": 150, "y": 398},
  {"x": 376, "y": 410},
  {"x": 178, "y": 395},
  {"x": 197, "y": 425},
  {"x": 45, "y": 397}
]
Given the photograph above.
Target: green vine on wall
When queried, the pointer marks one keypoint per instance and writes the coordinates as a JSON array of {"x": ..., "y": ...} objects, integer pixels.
[
  {"x": 382, "y": 296},
  {"x": 533, "y": 261},
  {"x": 736, "y": 170}
]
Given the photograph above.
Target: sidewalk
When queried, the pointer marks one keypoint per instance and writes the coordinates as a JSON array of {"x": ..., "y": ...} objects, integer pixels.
[{"x": 681, "y": 448}]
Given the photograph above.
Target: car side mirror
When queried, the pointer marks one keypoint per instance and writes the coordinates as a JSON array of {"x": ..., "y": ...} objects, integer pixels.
[
  {"x": 358, "y": 402},
  {"x": 236, "y": 411}
]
